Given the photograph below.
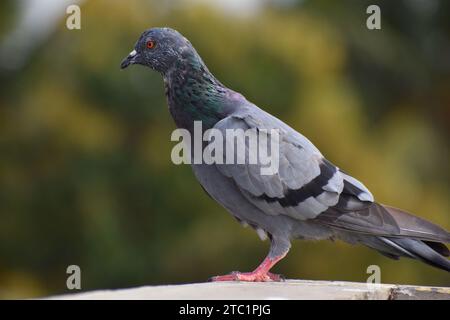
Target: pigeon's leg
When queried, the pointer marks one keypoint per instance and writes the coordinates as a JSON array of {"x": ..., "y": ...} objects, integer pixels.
[{"x": 261, "y": 273}]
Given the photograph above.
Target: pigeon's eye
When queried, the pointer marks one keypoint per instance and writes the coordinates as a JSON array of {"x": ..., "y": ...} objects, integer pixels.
[{"x": 150, "y": 44}]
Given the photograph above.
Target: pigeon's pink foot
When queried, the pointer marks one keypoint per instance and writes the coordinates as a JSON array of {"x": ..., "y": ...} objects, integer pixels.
[
  {"x": 249, "y": 277},
  {"x": 261, "y": 274}
]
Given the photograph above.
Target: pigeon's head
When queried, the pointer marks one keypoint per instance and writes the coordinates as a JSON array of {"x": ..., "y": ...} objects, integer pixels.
[{"x": 159, "y": 49}]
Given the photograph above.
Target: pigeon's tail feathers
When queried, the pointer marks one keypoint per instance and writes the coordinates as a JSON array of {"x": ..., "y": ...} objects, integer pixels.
[
  {"x": 438, "y": 247},
  {"x": 432, "y": 254},
  {"x": 381, "y": 220},
  {"x": 392, "y": 232},
  {"x": 415, "y": 227}
]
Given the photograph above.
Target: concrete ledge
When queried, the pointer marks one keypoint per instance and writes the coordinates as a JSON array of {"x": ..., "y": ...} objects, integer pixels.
[{"x": 290, "y": 289}]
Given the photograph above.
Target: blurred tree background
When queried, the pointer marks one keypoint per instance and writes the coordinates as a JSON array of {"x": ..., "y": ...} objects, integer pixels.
[{"x": 85, "y": 170}]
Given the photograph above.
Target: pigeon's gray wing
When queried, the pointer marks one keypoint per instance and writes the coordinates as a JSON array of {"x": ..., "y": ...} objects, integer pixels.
[
  {"x": 305, "y": 185},
  {"x": 308, "y": 187}
]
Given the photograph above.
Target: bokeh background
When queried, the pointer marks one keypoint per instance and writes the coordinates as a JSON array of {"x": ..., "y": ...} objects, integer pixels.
[{"x": 85, "y": 170}]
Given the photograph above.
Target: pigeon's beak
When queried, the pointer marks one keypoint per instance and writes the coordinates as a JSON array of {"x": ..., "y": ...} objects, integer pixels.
[{"x": 130, "y": 59}]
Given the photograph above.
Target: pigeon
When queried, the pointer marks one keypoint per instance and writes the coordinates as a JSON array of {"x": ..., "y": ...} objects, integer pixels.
[{"x": 308, "y": 198}]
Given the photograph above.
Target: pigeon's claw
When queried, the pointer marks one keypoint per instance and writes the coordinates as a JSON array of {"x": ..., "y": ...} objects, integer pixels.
[
  {"x": 227, "y": 277},
  {"x": 276, "y": 277},
  {"x": 260, "y": 274},
  {"x": 254, "y": 276}
]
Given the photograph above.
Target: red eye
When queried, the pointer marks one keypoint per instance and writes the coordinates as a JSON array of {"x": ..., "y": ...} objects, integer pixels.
[{"x": 150, "y": 44}]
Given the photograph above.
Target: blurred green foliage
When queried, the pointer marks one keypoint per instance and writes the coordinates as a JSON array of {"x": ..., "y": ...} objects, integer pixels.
[{"x": 85, "y": 170}]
